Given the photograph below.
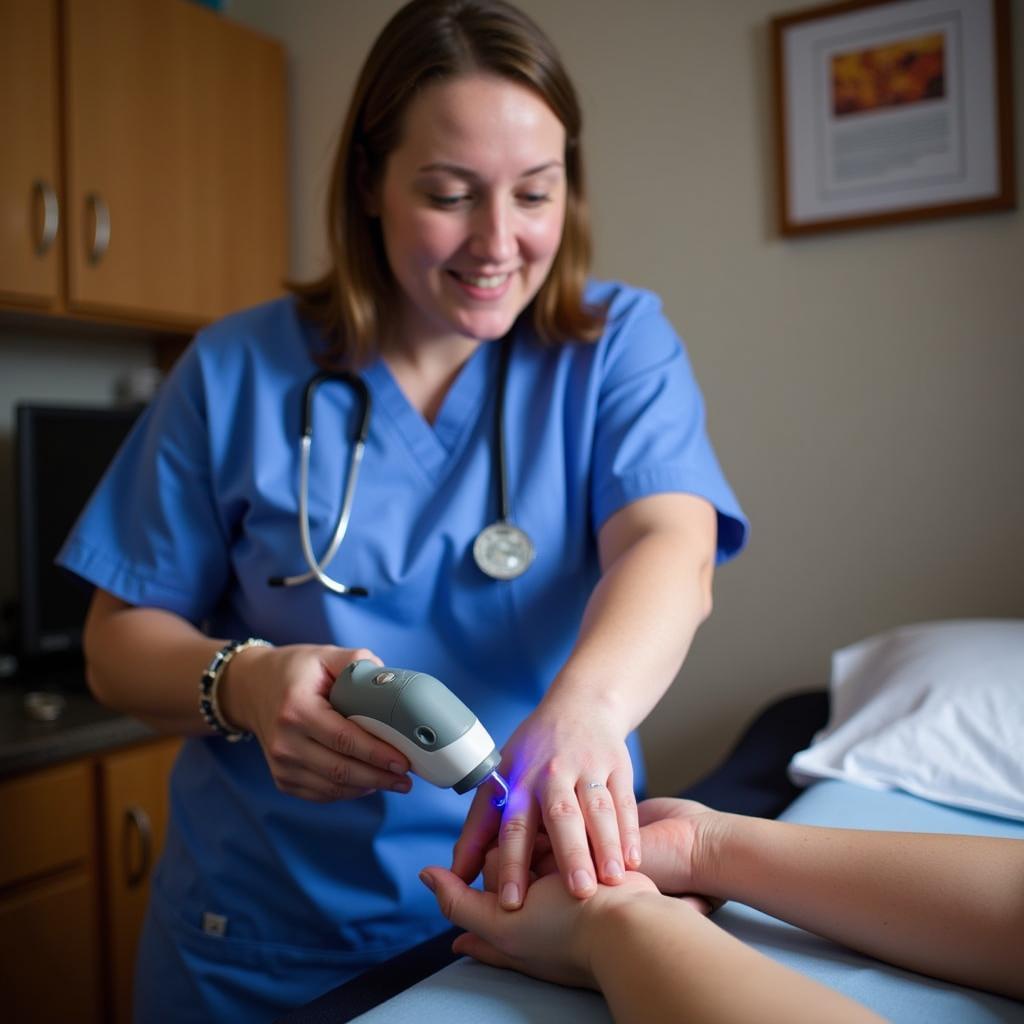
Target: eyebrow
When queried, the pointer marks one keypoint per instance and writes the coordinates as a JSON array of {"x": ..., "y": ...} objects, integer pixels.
[{"x": 465, "y": 172}]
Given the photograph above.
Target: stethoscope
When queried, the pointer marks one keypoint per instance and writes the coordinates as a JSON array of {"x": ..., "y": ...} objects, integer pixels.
[{"x": 501, "y": 550}]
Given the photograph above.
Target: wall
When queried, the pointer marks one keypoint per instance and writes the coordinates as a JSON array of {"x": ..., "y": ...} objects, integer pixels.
[{"x": 864, "y": 387}]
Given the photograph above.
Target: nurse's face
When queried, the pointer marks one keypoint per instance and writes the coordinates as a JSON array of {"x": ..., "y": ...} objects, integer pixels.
[{"x": 471, "y": 207}]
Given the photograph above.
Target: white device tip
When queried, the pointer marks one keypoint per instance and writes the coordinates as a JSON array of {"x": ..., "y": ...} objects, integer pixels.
[{"x": 501, "y": 798}]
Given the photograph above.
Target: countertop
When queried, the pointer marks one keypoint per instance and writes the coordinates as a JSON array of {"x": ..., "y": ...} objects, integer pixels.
[{"x": 83, "y": 727}]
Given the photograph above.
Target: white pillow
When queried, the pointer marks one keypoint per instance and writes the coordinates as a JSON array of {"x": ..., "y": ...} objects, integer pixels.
[{"x": 935, "y": 709}]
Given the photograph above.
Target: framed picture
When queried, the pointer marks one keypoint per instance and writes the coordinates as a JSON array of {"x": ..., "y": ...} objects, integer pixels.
[{"x": 892, "y": 110}]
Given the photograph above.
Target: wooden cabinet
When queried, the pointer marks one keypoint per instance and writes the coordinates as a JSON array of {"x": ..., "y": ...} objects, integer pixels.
[
  {"x": 134, "y": 806},
  {"x": 79, "y": 843},
  {"x": 49, "y": 920},
  {"x": 172, "y": 201},
  {"x": 30, "y": 181}
]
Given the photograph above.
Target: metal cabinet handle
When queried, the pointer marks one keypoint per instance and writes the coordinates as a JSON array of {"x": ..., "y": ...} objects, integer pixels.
[
  {"x": 42, "y": 192},
  {"x": 136, "y": 821},
  {"x": 96, "y": 205}
]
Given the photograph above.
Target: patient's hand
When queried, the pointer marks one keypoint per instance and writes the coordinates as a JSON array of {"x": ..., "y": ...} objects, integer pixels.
[
  {"x": 677, "y": 837},
  {"x": 549, "y": 937}
]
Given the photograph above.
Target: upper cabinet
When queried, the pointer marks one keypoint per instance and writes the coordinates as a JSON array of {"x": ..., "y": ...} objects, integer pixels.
[
  {"x": 171, "y": 126},
  {"x": 30, "y": 183}
]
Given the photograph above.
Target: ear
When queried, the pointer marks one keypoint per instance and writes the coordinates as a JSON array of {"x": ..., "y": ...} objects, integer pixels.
[{"x": 369, "y": 190}]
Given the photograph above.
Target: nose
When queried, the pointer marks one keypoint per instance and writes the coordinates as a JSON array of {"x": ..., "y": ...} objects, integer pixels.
[{"x": 494, "y": 236}]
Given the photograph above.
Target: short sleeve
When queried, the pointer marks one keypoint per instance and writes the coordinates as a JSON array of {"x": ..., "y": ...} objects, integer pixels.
[
  {"x": 650, "y": 434},
  {"x": 151, "y": 533}
]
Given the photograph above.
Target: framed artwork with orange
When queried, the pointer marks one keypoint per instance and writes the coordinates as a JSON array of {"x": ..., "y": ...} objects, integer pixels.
[{"x": 892, "y": 110}]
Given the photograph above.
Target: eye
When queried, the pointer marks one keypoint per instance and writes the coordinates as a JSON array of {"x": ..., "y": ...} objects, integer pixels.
[
  {"x": 448, "y": 202},
  {"x": 534, "y": 198}
]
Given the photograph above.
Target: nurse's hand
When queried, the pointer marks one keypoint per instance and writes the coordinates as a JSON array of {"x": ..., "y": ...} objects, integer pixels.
[
  {"x": 280, "y": 694},
  {"x": 676, "y": 836},
  {"x": 570, "y": 771}
]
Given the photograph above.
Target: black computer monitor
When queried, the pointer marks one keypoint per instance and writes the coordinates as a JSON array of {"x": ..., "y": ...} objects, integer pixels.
[{"x": 61, "y": 454}]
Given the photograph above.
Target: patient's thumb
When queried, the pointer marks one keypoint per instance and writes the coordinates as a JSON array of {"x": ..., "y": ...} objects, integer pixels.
[{"x": 445, "y": 886}]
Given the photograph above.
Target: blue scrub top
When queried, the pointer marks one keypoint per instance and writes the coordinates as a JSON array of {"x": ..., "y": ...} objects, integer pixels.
[{"x": 200, "y": 508}]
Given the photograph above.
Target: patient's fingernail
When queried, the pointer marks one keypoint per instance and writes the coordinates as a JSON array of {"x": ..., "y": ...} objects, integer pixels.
[
  {"x": 634, "y": 856},
  {"x": 427, "y": 880},
  {"x": 402, "y": 786},
  {"x": 581, "y": 880},
  {"x": 613, "y": 869},
  {"x": 510, "y": 895},
  {"x": 394, "y": 766}
]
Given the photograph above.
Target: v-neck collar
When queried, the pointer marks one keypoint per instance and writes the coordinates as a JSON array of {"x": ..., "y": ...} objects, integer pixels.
[{"x": 432, "y": 445}]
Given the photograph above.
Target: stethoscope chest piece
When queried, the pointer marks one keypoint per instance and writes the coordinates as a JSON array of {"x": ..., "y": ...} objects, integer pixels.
[{"x": 502, "y": 551}]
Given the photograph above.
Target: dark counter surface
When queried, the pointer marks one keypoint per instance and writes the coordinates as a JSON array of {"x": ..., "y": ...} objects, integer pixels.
[{"x": 83, "y": 727}]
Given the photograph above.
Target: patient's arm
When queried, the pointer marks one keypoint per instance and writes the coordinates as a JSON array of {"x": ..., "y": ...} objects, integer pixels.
[
  {"x": 654, "y": 958},
  {"x": 945, "y": 905}
]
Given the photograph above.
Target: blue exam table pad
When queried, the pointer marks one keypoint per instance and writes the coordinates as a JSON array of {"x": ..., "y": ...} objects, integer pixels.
[{"x": 466, "y": 990}]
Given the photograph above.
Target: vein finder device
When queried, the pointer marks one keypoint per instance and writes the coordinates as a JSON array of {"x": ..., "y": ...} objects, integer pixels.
[{"x": 446, "y": 744}]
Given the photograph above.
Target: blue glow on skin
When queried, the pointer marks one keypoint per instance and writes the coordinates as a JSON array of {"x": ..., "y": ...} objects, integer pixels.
[
  {"x": 515, "y": 772},
  {"x": 501, "y": 798}
]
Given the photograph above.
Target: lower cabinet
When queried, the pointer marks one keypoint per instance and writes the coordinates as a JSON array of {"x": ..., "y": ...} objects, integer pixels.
[
  {"x": 50, "y": 958},
  {"x": 133, "y": 802},
  {"x": 79, "y": 841},
  {"x": 49, "y": 897}
]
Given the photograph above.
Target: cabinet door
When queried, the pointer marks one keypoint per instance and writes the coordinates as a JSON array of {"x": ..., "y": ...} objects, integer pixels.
[
  {"x": 161, "y": 138},
  {"x": 133, "y": 793},
  {"x": 49, "y": 927},
  {"x": 244, "y": 243},
  {"x": 29, "y": 184},
  {"x": 48, "y": 822},
  {"x": 49, "y": 957}
]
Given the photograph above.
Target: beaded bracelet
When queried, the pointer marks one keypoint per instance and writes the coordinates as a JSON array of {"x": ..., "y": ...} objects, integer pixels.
[{"x": 209, "y": 707}]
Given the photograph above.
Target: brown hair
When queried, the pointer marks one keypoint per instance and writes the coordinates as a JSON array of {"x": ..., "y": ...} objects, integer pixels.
[{"x": 428, "y": 41}]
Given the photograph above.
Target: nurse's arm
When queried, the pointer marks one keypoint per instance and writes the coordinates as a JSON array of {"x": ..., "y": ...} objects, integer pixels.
[
  {"x": 657, "y": 564},
  {"x": 147, "y": 662},
  {"x": 569, "y": 764}
]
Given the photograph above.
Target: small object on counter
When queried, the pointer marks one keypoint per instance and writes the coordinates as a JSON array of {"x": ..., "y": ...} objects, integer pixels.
[{"x": 42, "y": 706}]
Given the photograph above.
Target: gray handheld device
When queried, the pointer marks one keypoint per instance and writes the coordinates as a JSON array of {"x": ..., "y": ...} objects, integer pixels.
[{"x": 446, "y": 744}]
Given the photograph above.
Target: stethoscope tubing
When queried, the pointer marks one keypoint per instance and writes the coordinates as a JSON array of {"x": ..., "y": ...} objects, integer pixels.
[
  {"x": 504, "y": 511},
  {"x": 318, "y": 566}
]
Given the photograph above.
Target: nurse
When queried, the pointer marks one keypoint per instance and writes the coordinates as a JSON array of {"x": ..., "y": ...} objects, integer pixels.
[{"x": 458, "y": 291}]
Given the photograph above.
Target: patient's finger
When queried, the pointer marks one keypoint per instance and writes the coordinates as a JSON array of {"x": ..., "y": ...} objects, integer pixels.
[
  {"x": 468, "y": 908},
  {"x": 657, "y": 808}
]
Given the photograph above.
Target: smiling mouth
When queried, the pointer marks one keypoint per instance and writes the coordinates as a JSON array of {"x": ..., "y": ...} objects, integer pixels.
[{"x": 486, "y": 282}]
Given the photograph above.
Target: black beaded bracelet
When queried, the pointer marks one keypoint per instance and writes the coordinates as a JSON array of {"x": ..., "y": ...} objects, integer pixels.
[{"x": 209, "y": 707}]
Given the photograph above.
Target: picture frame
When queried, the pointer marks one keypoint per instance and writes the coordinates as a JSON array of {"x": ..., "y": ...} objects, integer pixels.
[{"x": 892, "y": 110}]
